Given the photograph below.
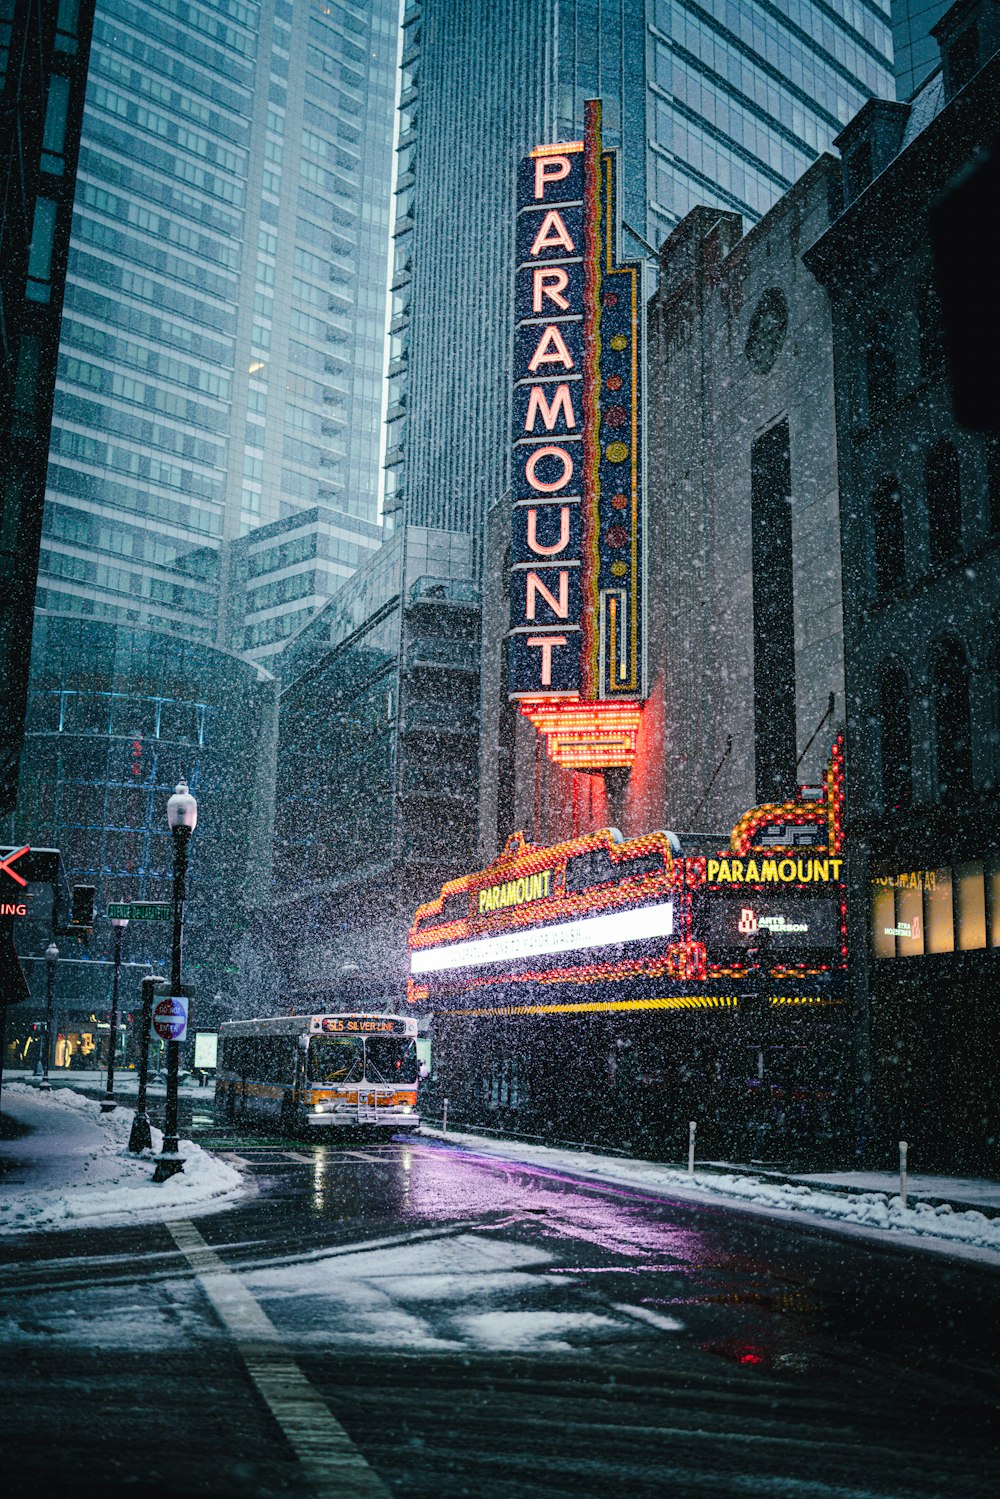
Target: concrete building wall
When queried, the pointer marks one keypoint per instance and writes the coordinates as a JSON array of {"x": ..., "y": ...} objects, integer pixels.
[{"x": 739, "y": 340}]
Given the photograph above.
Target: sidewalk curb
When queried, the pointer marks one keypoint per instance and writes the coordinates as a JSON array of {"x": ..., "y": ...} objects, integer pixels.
[{"x": 760, "y": 1174}]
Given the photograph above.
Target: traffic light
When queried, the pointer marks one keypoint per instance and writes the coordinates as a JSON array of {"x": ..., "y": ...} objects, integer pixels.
[{"x": 83, "y": 906}]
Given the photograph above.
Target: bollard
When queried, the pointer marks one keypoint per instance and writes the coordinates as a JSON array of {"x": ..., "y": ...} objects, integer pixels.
[
  {"x": 902, "y": 1172},
  {"x": 444, "y": 1118},
  {"x": 692, "y": 1126}
]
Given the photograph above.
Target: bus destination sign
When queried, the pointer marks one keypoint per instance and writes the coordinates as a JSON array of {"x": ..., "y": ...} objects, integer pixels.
[{"x": 363, "y": 1025}]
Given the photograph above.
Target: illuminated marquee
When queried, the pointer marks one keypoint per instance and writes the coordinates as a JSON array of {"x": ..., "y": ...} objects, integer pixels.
[
  {"x": 642, "y": 924},
  {"x": 576, "y": 647},
  {"x": 599, "y": 910}
]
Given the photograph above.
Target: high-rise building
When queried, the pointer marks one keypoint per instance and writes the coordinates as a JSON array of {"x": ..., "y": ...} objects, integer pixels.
[
  {"x": 220, "y": 374},
  {"x": 222, "y": 353},
  {"x": 43, "y": 78},
  {"x": 914, "y": 51},
  {"x": 711, "y": 103}
]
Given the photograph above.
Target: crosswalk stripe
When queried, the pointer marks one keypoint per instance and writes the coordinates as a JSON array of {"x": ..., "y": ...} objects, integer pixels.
[{"x": 335, "y": 1466}]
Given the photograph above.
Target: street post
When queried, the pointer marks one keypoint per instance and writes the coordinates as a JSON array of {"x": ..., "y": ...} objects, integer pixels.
[
  {"x": 108, "y": 1101},
  {"x": 141, "y": 1138},
  {"x": 182, "y": 816},
  {"x": 51, "y": 959}
]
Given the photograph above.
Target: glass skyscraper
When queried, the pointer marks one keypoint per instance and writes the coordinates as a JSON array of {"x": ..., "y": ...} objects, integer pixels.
[
  {"x": 915, "y": 53},
  {"x": 221, "y": 364},
  {"x": 719, "y": 102}
]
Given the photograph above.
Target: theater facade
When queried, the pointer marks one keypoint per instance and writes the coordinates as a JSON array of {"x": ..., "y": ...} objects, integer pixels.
[{"x": 609, "y": 990}]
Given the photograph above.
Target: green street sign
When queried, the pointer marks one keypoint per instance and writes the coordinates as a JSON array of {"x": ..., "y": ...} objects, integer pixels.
[{"x": 141, "y": 910}]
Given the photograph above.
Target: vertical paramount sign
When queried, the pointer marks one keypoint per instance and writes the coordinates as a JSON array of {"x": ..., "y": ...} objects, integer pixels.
[{"x": 576, "y": 650}]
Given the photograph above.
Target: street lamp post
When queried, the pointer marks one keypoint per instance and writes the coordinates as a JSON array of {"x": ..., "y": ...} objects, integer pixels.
[
  {"x": 182, "y": 815},
  {"x": 108, "y": 1101},
  {"x": 51, "y": 959}
]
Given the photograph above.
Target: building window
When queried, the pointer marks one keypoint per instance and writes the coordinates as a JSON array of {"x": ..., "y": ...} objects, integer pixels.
[
  {"x": 773, "y": 614},
  {"x": 56, "y": 112},
  {"x": 992, "y": 444},
  {"x": 897, "y": 748},
  {"x": 922, "y": 912},
  {"x": 887, "y": 539},
  {"x": 858, "y": 168},
  {"x": 43, "y": 235},
  {"x": 952, "y": 719},
  {"x": 963, "y": 57},
  {"x": 931, "y": 330},
  {"x": 880, "y": 369},
  {"x": 944, "y": 502}
]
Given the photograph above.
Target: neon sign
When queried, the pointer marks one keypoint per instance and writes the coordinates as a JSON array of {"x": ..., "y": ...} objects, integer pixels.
[
  {"x": 758, "y": 871},
  {"x": 599, "y": 909},
  {"x": 12, "y": 858},
  {"x": 576, "y": 647}
]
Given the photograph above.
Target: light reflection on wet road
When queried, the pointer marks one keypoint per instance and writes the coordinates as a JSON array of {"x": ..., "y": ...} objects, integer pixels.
[{"x": 482, "y": 1327}]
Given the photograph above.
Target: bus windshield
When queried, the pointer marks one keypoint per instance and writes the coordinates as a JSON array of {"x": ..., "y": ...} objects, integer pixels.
[
  {"x": 391, "y": 1059},
  {"x": 336, "y": 1059}
]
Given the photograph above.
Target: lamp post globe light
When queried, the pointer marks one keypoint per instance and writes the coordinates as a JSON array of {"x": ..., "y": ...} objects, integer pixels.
[
  {"x": 51, "y": 959},
  {"x": 182, "y": 817},
  {"x": 108, "y": 1101}
]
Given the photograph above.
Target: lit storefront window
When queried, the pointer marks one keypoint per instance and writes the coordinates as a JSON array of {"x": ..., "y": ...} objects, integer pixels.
[{"x": 926, "y": 911}]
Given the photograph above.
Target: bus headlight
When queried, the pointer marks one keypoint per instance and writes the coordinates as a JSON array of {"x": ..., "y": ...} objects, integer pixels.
[{"x": 407, "y": 1108}]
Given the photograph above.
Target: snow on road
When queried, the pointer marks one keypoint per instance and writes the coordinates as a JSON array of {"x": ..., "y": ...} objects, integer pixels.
[
  {"x": 870, "y": 1213},
  {"x": 444, "y": 1293},
  {"x": 71, "y": 1168}
]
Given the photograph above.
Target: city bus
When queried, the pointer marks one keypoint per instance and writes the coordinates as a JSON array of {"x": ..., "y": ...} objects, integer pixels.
[{"x": 331, "y": 1072}]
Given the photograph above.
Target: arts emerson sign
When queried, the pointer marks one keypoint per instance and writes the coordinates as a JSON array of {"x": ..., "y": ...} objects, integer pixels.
[{"x": 576, "y": 605}]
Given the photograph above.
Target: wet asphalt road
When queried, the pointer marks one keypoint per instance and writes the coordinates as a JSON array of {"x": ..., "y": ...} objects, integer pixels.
[{"x": 480, "y": 1328}]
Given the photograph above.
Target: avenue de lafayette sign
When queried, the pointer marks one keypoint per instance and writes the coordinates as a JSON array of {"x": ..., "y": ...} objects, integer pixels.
[
  {"x": 140, "y": 910},
  {"x": 576, "y": 593}
]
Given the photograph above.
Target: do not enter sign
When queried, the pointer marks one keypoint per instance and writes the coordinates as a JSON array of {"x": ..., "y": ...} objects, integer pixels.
[{"x": 170, "y": 1018}]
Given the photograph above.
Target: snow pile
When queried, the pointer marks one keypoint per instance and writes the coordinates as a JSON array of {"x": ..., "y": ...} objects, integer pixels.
[
  {"x": 72, "y": 1168},
  {"x": 878, "y": 1212}
]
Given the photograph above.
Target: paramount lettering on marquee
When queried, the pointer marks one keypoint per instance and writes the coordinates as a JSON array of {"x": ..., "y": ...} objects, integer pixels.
[
  {"x": 772, "y": 871},
  {"x": 576, "y": 628},
  {"x": 515, "y": 892}
]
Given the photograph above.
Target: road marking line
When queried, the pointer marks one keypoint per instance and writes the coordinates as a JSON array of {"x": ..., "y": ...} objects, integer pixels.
[
  {"x": 335, "y": 1466},
  {"x": 302, "y": 1160},
  {"x": 646, "y": 1314}
]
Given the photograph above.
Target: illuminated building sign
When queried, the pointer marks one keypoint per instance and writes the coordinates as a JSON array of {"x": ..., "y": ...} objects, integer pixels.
[
  {"x": 562, "y": 936},
  {"x": 764, "y": 871},
  {"x": 602, "y": 910},
  {"x": 729, "y": 920},
  {"x": 576, "y": 650},
  {"x": 515, "y": 892}
]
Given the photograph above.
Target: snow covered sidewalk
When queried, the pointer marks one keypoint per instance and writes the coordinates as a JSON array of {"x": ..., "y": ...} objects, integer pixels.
[
  {"x": 69, "y": 1167},
  {"x": 871, "y": 1213}
]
